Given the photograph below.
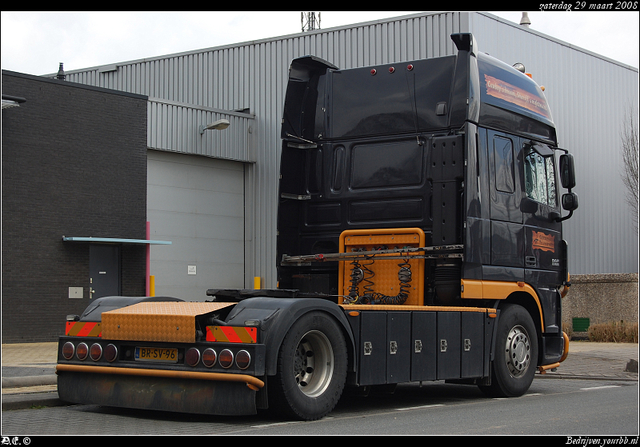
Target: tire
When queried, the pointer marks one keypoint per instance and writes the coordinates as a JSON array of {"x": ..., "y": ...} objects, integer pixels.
[
  {"x": 312, "y": 368},
  {"x": 516, "y": 356}
]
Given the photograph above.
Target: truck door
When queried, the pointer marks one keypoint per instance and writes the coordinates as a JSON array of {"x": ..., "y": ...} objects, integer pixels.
[
  {"x": 526, "y": 240},
  {"x": 507, "y": 232},
  {"x": 541, "y": 206},
  {"x": 544, "y": 249}
]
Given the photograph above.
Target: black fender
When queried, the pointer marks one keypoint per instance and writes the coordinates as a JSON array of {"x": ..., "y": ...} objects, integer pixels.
[
  {"x": 93, "y": 311},
  {"x": 275, "y": 316}
]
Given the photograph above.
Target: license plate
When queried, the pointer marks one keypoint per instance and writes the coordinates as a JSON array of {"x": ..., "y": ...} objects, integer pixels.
[{"x": 156, "y": 354}]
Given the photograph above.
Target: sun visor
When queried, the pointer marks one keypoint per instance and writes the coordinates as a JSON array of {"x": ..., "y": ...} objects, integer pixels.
[{"x": 543, "y": 149}]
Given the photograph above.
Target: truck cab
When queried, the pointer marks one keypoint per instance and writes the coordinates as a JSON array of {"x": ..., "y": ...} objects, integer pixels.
[{"x": 462, "y": 148}]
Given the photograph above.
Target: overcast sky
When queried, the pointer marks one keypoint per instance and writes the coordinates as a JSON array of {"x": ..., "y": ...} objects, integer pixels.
[{"x": 35, "y": 42}]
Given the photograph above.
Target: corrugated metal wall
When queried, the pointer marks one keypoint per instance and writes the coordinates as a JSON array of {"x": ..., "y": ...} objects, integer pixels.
[{"x": 246, "y": 83}]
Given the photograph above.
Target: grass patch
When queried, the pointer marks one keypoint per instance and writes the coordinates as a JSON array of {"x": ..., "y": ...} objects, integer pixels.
[{"x": 613, "y": 332}]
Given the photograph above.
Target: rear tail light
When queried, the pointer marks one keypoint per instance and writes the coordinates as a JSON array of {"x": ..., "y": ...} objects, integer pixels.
[
  {"x": 192, "y": 357},
  {"x": 82, "y": 351},
  {"x": 110, "y": 353},
  {"x": 226, "y": 358},
  {"x": 68, "y": 350},
  {"x": 96, "y": 352},
  {"x": 243, "y": 359},
  {"x": 209, "y": 357}
]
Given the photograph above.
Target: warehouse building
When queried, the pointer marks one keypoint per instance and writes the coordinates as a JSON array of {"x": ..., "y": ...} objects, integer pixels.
[{"x": 212, "y": 192}]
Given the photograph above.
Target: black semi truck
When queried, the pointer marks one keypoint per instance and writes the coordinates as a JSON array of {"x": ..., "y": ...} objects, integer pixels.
[{"x": 419, "y": 239}]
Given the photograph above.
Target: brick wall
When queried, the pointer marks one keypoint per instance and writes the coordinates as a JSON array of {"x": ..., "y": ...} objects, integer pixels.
[{"x": 73, "y": 164}]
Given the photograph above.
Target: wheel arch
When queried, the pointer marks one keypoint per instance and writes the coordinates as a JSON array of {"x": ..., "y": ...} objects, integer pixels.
[{"x": 285, "y": 312}]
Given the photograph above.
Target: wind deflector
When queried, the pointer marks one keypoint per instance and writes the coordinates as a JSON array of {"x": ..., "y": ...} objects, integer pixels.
[
  {"x": 464, "y": 42},
  {"x": 300, "y": 105}
]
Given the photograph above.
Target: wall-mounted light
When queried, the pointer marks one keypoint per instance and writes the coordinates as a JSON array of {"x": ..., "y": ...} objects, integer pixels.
[{"x": 216, "y": 125}]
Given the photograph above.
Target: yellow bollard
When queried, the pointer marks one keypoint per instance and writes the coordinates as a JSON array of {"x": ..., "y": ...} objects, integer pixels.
[
  {"x": 152, "y": 285},
  {"x": 257, "y": 282}
]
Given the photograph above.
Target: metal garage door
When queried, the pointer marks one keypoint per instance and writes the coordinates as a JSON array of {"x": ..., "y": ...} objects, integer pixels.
[{"x": 197, "y": 203}]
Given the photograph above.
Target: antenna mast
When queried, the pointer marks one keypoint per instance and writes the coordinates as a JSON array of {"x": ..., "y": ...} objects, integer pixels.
[{"x": 310, "y": 20}]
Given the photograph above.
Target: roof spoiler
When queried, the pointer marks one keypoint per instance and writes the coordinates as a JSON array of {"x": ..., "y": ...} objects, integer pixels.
[{"x": 465, "y": 42}]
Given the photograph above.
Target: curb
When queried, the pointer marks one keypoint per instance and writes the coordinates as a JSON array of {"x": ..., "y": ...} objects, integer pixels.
[
  {"x": 584, "y": 377},
  {"x": 16, "y": 382},
  {"x": 29, "y": 400}
]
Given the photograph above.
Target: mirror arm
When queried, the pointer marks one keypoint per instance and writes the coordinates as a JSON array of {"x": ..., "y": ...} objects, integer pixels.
[{"x": 560, "y": 219}]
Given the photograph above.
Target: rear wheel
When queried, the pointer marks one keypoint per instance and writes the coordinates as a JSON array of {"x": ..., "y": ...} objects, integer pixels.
[
  {"x": 514, "y": 365},
  {"x": 312, "y": 368}
]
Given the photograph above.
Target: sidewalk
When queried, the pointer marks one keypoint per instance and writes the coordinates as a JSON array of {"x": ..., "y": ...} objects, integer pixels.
[{"x": 28, "y": 369}]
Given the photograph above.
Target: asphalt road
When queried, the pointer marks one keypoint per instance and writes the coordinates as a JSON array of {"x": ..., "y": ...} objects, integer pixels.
[
  {"x": 593, "y": 393},
  {"x": 553, "y": 406}
]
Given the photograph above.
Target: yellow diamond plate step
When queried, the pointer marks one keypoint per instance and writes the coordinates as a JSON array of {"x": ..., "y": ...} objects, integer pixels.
[{"x": 156, "y": 321}]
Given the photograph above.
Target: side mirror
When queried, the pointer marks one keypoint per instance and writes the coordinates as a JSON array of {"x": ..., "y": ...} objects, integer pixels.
[
  {"x": 570, "y": 201},
  {"x": 567, "y": 173}
]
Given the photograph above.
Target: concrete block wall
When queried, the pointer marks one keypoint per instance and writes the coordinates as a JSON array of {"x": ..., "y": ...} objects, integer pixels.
[{"x": 603, "y": 298}]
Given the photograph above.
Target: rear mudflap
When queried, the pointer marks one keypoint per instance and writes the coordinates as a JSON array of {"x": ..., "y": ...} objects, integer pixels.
[{"x": 157, "y": 393}]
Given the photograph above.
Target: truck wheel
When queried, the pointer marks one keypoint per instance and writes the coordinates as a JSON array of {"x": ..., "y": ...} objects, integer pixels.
[
  {"x": 514, "y": 364},
  {"x": 312, "y": 368}
]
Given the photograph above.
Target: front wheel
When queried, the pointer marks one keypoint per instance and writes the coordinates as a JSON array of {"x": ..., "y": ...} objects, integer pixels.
[
  {"x": 514, "y": 365},
  {"x": 312, "y": 368}
]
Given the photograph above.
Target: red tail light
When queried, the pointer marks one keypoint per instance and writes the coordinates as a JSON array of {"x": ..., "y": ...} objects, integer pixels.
[
  {"x": 68, "y": 350},
  {"x": 243, "y": 359},
  {"x": 192, "y": 357},
  {"x": 110, "y": 353},
  {"x": 96, "y": 352},
  {"x": 209, "y": 357},
  {"x": 226, "y": 358},
  {"x": 82, "y": 351}
]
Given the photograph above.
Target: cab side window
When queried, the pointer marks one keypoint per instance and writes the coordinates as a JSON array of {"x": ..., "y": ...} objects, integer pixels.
[
  {"x": 540, "y": 178},
  {"x": 503, "y": 163}
]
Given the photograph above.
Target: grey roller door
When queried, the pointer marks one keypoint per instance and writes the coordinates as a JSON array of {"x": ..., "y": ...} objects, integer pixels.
[{"x": 197, "y": 203}]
